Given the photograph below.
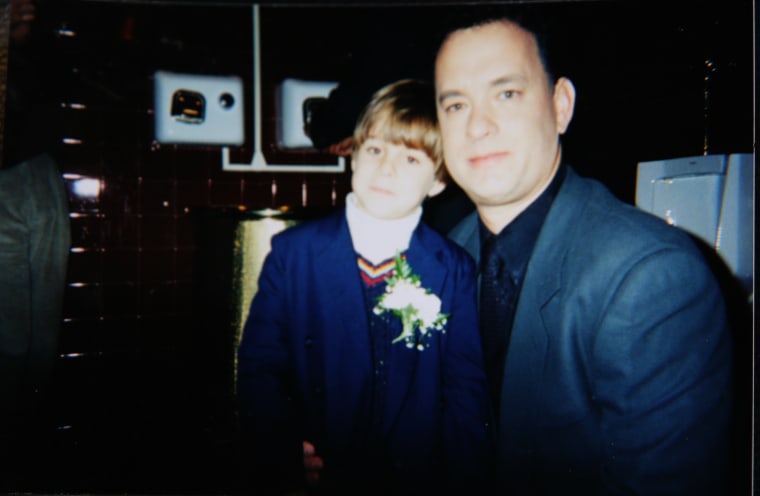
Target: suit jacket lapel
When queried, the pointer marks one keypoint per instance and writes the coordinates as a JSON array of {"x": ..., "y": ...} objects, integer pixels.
[
  {"x": 543, "y": 281},
  {"x": 466, "y": 235},
  {"x": 530, "y": 338}
]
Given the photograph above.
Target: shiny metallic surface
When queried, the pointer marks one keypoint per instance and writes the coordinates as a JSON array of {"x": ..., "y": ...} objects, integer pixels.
[
  {"x": 251, "y": 245},
  {"x": 233, "y": 244}
]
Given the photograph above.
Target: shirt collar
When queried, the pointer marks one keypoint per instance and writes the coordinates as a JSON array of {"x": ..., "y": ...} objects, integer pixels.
[
  {"x": 378, "y": 240},
  {"x": 514, "y": 243}
]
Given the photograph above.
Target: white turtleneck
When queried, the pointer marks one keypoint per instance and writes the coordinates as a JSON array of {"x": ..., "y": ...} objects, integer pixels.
[{"x": 376, "y": 239}]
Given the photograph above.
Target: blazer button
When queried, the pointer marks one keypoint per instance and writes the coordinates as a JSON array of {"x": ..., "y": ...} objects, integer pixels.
[{"x": 308, "y": 342}]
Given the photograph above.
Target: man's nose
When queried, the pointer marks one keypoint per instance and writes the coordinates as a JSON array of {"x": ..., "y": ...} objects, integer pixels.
[{"x": 480, "y": 123}]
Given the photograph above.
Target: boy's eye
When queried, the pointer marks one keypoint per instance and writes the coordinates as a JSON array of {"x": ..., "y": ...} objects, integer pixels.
[
  {"x": 373, "y": 150},
  {"x": 507, "y": 94},
  {"x": 411, "y": 159}
]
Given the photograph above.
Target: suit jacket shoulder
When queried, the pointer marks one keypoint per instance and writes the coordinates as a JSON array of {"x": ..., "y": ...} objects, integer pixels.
[
  {"x": 593, "y": 233},
  {"x": 619, "y": 344}
]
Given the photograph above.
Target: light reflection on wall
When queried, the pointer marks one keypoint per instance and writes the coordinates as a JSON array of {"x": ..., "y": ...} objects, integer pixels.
[
  {"x": 86, "y": 187},
  {"x": 83, "y": 187},
  {"x": 252, "y": 240}
]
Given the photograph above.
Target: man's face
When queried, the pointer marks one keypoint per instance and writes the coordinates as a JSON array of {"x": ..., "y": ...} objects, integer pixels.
[{"x": 499, "y": 118}]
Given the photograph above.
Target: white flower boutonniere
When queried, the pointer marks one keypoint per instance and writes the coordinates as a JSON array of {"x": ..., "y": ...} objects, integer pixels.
[{"x": 418, "y": 308}]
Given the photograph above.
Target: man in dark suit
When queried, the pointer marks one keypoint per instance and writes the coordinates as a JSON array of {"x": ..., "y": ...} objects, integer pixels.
[
  {"x": 34, "y": 243},
  {"x": 607, "y": 345}
]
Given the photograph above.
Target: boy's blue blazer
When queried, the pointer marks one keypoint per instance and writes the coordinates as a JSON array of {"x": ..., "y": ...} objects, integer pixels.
[{"x": 305, "y": 364}]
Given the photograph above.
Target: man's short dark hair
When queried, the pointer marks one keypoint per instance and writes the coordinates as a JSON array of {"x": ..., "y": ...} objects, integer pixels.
[{"x": 531, "y": 18}]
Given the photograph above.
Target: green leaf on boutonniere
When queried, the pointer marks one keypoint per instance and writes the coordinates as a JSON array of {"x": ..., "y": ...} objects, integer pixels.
[{"x": 418, "y": 308}]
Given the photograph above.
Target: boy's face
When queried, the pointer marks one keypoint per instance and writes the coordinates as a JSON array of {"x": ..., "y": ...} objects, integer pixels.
[{"x": 390, "y": 181}]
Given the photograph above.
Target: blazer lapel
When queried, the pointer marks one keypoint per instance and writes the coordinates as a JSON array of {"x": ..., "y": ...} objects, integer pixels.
[
  {"x": 422, "y": 256},
  {"x": 346, "y": 346}
]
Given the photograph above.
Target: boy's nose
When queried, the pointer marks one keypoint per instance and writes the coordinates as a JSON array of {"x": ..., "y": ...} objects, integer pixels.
[{"x": 388, "y": 164}]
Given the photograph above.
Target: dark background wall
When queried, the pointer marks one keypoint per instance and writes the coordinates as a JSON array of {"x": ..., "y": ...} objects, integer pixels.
[{"x": 131, "y": 408}]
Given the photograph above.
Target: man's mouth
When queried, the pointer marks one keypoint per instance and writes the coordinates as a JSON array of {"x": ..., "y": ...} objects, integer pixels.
[{"x": 487, "y": 158}]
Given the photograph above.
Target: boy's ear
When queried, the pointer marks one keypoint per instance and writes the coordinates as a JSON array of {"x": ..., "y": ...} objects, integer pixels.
[{"x": 436, "y": 188}]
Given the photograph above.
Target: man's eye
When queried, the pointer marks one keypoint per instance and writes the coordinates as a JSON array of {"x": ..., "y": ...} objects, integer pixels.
[
  {"x": 507, "y": 94},
  {"x": 454, "y": 107}
]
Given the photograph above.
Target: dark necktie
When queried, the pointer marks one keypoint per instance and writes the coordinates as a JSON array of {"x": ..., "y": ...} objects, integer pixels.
[{"x": 496, "y": 303}]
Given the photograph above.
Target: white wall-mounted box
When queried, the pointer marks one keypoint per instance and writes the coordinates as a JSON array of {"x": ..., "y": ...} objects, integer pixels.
[
  {"x": 292, "y": 95},
  {"x": 198, "y": 109}
]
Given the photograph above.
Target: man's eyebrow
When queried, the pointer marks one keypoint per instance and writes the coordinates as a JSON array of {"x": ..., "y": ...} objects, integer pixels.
[
  {"x": 507, "y": 80},
  {"x": 448, "y": 94},
  {"x": 501, "y": 80}
]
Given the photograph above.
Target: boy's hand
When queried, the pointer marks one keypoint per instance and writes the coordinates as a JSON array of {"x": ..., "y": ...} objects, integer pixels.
[{"x": 311, "y": 462}]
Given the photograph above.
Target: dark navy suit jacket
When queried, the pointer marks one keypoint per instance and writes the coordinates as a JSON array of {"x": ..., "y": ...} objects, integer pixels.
[
  {"x": 618, "y": 374},
  {"x": 305, "y": 364}
]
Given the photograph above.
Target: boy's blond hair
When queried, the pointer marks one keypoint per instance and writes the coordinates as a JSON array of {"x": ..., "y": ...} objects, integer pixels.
[{"x": 404, "y": 113}]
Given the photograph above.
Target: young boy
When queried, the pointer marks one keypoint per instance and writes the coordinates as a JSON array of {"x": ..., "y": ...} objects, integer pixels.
[{"x": 335, "y": 366}]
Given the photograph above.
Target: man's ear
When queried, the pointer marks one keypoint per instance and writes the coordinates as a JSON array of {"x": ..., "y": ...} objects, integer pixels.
[
  {"x": 564, "y": 103},
  {"x": 437, "y": 187}
]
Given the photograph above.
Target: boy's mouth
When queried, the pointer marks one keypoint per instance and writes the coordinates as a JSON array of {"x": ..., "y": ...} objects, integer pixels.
[{"x": 381, "y": 190}]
